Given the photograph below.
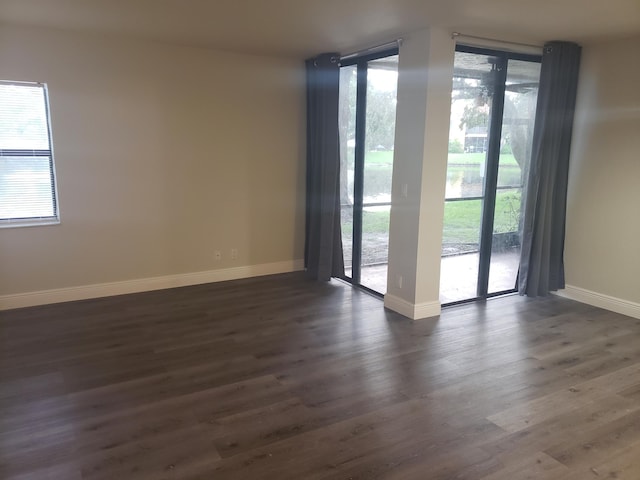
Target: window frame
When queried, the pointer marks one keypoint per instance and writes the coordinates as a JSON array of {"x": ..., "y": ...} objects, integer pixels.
[{"x": 36, "y": 221}]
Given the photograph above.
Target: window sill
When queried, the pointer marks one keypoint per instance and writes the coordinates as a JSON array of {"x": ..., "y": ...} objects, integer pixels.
[{"x": 32, "y": 222}]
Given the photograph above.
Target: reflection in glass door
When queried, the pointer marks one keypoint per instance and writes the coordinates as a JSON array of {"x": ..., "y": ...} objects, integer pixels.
[
  {"x": 367, "y": 113},
  {"x": 492, "y": 114}
]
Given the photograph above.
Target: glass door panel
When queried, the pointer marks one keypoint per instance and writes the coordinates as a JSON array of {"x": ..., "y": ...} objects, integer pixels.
[
  {"x": 382, "y": 83},
  {"x": 347, "y": 129},
  {"x": 521, "y": 93},
  {"x": 492, "y": 116},
  {"x": 466, "y": 165},
  {"x": 367, "y": 117}
]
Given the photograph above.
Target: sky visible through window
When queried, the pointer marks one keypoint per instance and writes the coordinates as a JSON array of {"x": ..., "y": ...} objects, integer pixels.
[{"x": 23, "y": 118}]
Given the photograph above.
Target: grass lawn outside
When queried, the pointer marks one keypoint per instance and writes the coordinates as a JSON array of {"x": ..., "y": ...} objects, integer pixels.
[
  {"x": 461, "y": 218},
  {"x": 463, "y": 170},
  {"x": 386, "y": 158},
  {"x": 478, "y": 158},
  {"x": 379, "y": 158}
]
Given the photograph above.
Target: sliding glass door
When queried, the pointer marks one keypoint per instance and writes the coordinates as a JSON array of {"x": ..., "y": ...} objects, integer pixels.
[
  {"x": 492, "y": 116},
  {"x": 368, "y": 88}
]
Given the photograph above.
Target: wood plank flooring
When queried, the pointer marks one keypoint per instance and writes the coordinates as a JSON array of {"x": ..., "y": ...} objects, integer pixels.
[{"x": 282, "y": 378}]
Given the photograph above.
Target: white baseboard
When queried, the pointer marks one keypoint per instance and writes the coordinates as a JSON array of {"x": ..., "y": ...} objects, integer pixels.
[
  {"x": 84, "y": 292},
  {"x": 410, "y": 310},
  {"x": 607, "y": 302}
]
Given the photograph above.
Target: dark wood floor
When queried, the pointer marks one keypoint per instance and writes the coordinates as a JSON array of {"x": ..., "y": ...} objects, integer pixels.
[{"x": 281, "y": 378}]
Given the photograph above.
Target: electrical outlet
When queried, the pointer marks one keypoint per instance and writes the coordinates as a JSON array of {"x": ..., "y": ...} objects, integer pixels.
[
  {"x": 399, "y": 281},
  {"x": 217, "y": 255},
  {"x": 234, "y": 254}
]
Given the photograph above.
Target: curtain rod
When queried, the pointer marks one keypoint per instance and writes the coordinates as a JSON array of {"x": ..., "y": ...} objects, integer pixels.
[
  {"x": 394, "y": 43},
  {"x": 455, "y": 35}
]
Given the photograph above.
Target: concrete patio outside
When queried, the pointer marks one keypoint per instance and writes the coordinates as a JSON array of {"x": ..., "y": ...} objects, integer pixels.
[{"x": 458, "y": 275}]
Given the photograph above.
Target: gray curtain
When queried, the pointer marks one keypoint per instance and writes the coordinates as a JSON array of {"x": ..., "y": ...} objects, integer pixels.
[
  {"x": 323, "y": 243},
  {"x": 541, "y": 261}
]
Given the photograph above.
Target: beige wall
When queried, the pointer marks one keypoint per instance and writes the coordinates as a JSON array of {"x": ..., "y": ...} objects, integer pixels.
[
  {"x": 164, "y": 154},
  {"x": 602, "y": 250}
]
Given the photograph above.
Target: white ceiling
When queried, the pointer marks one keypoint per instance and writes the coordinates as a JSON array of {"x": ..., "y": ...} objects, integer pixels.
[{"x": 301, "y": 28}]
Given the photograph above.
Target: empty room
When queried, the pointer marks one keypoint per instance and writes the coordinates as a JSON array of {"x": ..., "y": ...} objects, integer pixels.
[{"x": 319, "y": 240}]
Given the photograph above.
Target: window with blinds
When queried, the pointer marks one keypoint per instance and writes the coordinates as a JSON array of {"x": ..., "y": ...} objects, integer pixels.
[{"x": 27, "y": 175}]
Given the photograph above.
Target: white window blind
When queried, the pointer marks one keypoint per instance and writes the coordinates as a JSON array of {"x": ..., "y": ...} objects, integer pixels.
[{"x": 27, "y": 176}]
